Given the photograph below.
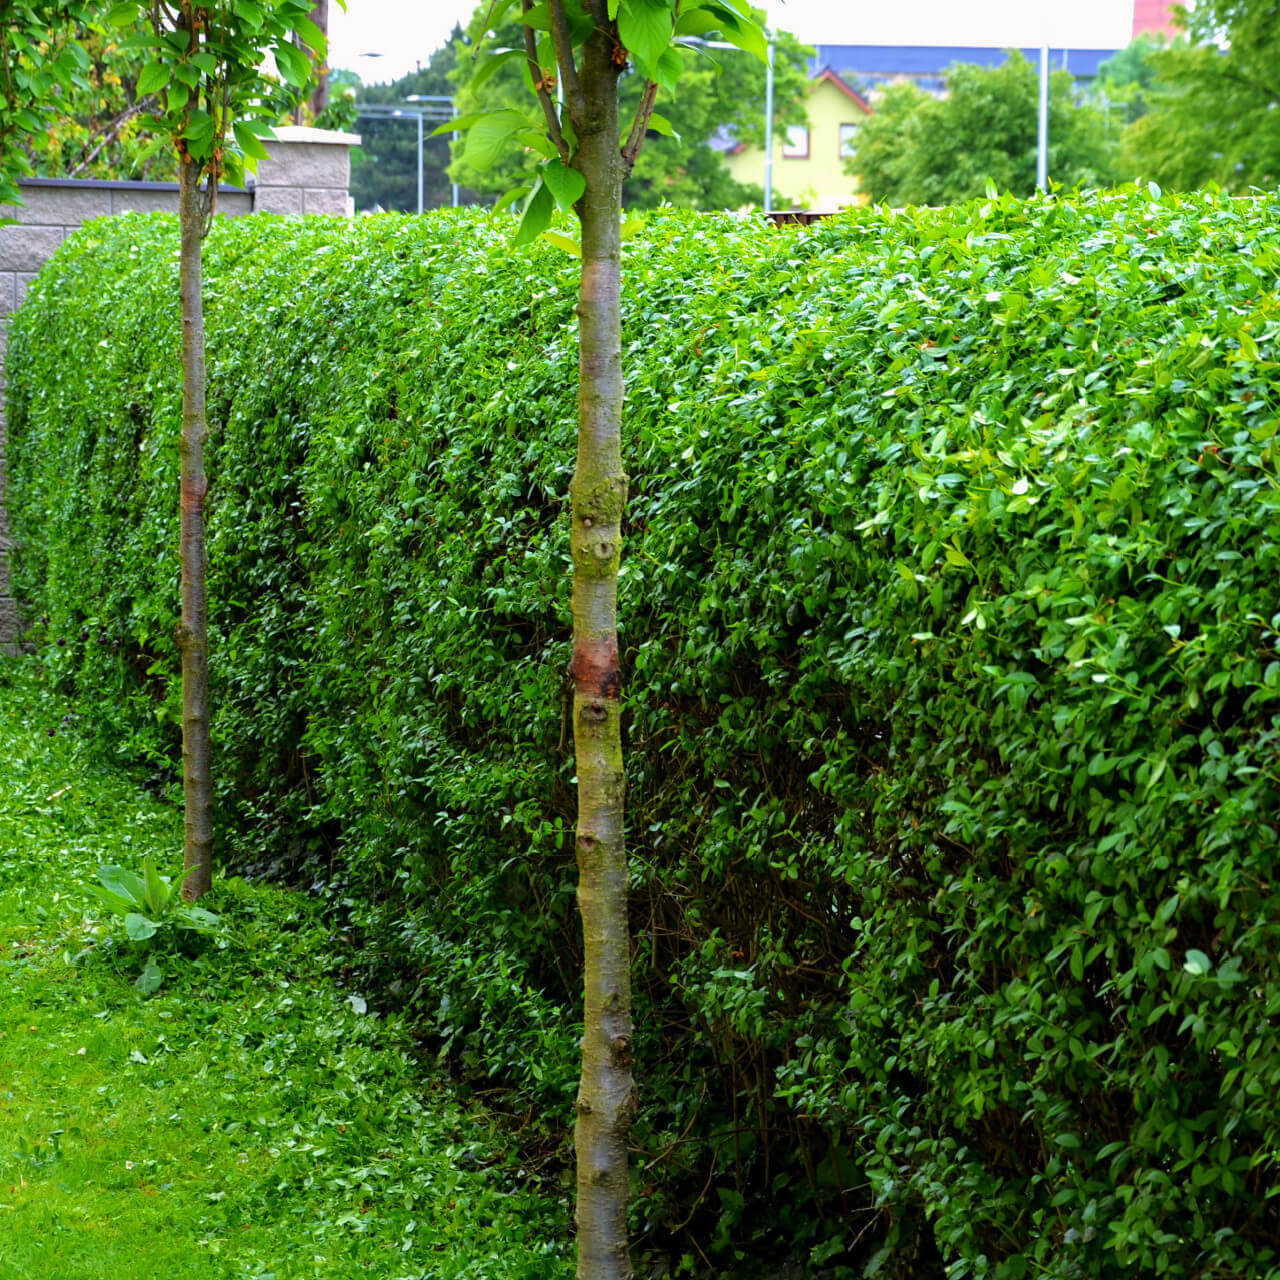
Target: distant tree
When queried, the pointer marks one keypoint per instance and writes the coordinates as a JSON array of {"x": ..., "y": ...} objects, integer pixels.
[
  {"x": 918, "y": 149},
  {"x": 1213, "y": 110},
  {"x": 1125, "y": 81},
  {"x": 384, "y": 171},
  {"x": 718, "y": 98}
]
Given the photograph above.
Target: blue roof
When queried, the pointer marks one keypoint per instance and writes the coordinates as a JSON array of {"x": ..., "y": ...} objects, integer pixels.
[{"x": 880, "y": 60}]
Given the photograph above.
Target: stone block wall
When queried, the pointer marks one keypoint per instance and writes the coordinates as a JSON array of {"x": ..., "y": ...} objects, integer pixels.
[{"x": 308, "y": 172}]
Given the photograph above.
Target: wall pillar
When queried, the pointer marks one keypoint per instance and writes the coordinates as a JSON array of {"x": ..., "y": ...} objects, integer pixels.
[{"x": 309, "y": 172}]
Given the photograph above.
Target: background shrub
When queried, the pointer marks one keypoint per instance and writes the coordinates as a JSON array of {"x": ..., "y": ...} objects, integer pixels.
[{"x": 950, "y": 616}]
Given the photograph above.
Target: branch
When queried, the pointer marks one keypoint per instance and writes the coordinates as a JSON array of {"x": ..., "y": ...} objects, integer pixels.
[
  {"x": 541, "y": 88},
  {"x": 639, "y": 127},
  {"x": 111, "y": 132},
  {"x": 564, "y": 56}
]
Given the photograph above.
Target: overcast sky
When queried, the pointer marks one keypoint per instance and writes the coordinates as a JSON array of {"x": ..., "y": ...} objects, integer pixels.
[{"x": 384, "y": 39}]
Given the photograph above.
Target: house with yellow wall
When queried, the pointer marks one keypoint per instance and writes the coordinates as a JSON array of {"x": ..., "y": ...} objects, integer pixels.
[{"x": 809, "y": 160}]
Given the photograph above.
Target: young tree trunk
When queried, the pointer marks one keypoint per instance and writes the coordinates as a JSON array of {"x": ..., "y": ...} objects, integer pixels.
[
  {"x": 320, "y": 94},
  {"x": 193, "y": 637},
  {"x": 606, "y": 1094}
]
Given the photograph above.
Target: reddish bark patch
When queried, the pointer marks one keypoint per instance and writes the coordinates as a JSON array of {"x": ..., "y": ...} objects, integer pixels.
[
  {"x": 193, "y": 492},
  {"x": 594, "y": 669}
]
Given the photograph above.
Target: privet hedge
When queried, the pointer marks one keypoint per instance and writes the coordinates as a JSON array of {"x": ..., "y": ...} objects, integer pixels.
[{"x": 951, "y": 617}]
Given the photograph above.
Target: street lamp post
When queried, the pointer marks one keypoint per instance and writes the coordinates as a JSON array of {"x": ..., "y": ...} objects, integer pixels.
[{"x": 421, "y": 107}]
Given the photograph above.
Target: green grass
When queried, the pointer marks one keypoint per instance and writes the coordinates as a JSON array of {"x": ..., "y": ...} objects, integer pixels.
[{"x": 247, "y": 1120}]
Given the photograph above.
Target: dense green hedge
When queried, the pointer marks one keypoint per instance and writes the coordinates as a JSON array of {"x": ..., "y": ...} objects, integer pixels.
[{"x": 951, "y": 616}]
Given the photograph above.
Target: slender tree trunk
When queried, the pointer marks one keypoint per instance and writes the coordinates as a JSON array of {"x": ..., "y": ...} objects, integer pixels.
[
  {"x": 606, "y": 1095},
  {"x": 320, "y": 94},
  {"x": 193, "y": 631}
]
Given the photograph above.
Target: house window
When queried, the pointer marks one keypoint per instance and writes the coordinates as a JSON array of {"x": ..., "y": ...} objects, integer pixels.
[
  {"x": 848, "y": 139},
  {"x": 795, "y": 146}
]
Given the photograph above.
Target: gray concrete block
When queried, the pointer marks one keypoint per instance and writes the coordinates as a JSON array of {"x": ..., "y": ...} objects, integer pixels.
[
  {"x": 20, "y": 291},
  {"x": 144, "y": 202},
  {"x": 234, "y": 203},
  {"x": 63, "y": 206},
  {"x": 26, "y": 248},
  {"x": 286, "y": 200},
  {"x": 8, "y": 293},
  {"x": 325, "y": 200},
  {"x": 304, "y": 164}
]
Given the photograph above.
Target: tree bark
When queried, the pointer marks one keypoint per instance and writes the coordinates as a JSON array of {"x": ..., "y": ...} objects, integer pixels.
[
  {"x": 193, "y": 631},
  {"x": 606, "y": 1095},
  {"x": 320, "y": 94}
]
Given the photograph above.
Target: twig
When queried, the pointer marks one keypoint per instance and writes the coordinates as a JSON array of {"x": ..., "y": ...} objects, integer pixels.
[
  {"x": 111, "y": 133},
  {"x": 563, "y": 43},
  {"x": 541, "y": 88},
  {"x": 639, "y": 126}
]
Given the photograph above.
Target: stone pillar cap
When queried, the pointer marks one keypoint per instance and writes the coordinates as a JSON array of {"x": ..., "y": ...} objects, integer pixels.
[{"x": 301, "y": 133}]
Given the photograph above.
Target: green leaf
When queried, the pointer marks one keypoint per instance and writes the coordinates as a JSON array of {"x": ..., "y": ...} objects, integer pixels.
[
  {"x": 294, "y": 65},
  {"x": 459, "y": 124},
  {"x": 494, "y": 62},
  {"x": 644, "y": 27},
  {"x": 149, "y": 980},
  {"x": 197, "y": 919},
  {"x": 248, "y": 142},
  {"x": 1197, "y": 963},
  {"x": 157, "y": 889},
  {"x": 669, "y": 70},
  {"x": 488, "y": 17},
  {"x": 124, "y": 883},
  {"x": 249, "y": 13},
  {"x": 507, "y": 200},
  {"x": 154, "y": 76},
  {"x": 489, "y": 137},
  {"x": 138, "y": 927},
  {"x": 696, "y": 22},
  {"x": 566, "y": 184},
  {"x": 124, "y": 14},
  {"x": 561, "y": 241},
  {"x": 537, "y": 215},
  {"x": 311, "y": 34},
  {"x": 660, "y": 124},
  {"x": 120, "y": 906},
  {"x": 746, "y": 34}
]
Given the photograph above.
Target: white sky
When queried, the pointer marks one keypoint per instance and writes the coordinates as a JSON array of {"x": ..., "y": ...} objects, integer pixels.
[{"x": 403, "y": 33}]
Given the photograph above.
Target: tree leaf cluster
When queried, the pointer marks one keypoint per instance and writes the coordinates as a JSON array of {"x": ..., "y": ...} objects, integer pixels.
[
  {"x": 39, "y": 59},
  {"x": 917, "y": 148},
  {"x": 1213, "y": 116},
  {"x": 712, "y": 97},
  {"x": 953, "y": 651}
]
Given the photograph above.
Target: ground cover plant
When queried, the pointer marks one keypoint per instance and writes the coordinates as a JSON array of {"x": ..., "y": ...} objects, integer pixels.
[
  {"x": 249, "y": 1120},
  {"x": 950, "y": 619}
]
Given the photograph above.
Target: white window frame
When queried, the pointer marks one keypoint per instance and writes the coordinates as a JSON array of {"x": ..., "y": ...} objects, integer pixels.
[{"x": 792, "y": 148}]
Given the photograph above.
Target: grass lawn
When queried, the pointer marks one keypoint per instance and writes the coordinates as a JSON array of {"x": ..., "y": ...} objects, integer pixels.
[{"x": 249, "y": 1119}]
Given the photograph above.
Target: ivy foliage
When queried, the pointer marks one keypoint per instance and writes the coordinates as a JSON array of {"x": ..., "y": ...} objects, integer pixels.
[{"x": 951, "y": 640}]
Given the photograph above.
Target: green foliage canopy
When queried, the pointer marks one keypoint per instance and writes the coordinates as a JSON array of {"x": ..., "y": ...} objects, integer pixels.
[
  {"x": 714, "y": 94},
  {"x": 39, "y": 58},
  {"x": 953, "y": 597},
  {"x": 1214, "y": 116},
  {"x": 919, "y": 149}
]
